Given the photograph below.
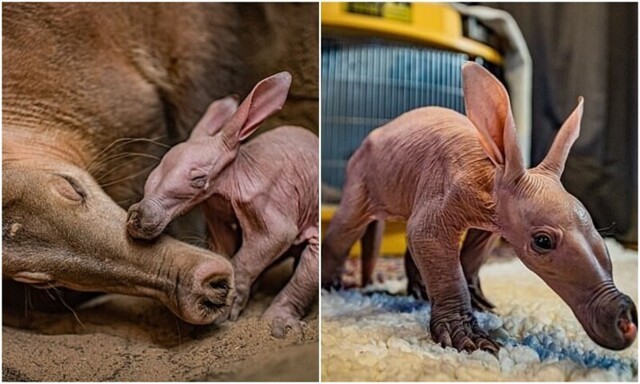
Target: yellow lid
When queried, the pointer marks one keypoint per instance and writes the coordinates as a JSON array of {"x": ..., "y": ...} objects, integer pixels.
[{"x": 434, "y": 24}]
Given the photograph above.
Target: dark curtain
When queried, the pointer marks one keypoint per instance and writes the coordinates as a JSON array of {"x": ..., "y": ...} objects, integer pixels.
[{"x": 588, "y": 49}]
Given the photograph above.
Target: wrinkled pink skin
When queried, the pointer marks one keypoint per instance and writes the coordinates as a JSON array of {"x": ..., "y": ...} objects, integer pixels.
[
  {"x": 260, "y": 198},
  {"x": 446, "y": 173}
]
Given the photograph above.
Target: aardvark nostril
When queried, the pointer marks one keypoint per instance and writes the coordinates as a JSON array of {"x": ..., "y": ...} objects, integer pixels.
[
  {"x": 627, "y": 323},
  {"x": 133, "y": 217},
  {"x": 221, "y": 285},
  {"x": 143, "y": 222},
  {"x": 210, "y": 306},
  {"x": 205, "y": 296},
  {"x": 217, "y": 290},
  {"x": 212, "y": 287},
  {"x": 215, "y": 297}
]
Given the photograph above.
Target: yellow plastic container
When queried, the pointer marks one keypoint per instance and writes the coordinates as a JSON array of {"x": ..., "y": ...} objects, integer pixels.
[
  {"x": 393, "y": 242},
  {"x": 434, "y": 24}
]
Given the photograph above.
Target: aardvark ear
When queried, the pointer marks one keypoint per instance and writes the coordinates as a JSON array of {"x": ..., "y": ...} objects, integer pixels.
[
  {"x": 567, "y": 135},
  {"x": 216, "y": 116},
  {"x": 266, "y": 98},
  {"x": 488, "y": 107}
]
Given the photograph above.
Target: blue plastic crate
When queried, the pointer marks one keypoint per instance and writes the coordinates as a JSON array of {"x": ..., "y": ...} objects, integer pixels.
[{"x": 366, "y": 83}]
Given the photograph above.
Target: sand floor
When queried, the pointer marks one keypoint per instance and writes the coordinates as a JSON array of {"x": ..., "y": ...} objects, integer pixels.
[{"x": 124, "y": 338}]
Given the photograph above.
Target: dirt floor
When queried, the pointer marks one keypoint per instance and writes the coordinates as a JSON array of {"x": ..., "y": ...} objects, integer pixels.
[{"x": 122, "y": 338}]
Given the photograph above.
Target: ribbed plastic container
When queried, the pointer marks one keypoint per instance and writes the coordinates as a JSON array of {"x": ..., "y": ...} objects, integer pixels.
[{"x": 366, "y": 83}]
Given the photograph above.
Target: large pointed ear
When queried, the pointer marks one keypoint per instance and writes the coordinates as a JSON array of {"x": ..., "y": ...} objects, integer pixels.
[
  {"x": 218, "y": 113},
  {"x": 567, "y": 135},
  {"x": 266, "y": 98},
  {"x": 487, "y": 104}
]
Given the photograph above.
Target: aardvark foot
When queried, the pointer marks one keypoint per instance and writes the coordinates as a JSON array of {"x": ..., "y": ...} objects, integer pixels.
[
  {"x": 240, "y": 299},
  {"x": 460, "y": 331},
  {"x": 335, "y": 284},
  {"x": 283, "y": 324}
]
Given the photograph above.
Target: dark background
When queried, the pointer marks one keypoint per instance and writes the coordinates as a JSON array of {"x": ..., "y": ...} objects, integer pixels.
[{"x": 588, "y": 49}]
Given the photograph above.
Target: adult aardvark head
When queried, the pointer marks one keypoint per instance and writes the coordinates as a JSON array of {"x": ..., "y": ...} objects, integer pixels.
[{"x": 59, "y": 228}]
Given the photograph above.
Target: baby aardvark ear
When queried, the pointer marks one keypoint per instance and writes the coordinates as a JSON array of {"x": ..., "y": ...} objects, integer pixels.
[
  {"x": 266, "y": 98},
  {"x": 567, "y": 135},
  {"x": 487, "y": 105},
  {"x": 216, "y": 116}
]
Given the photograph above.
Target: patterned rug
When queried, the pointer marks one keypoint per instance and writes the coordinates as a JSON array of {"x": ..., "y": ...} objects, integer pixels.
[{"x": 379, "y": 334}]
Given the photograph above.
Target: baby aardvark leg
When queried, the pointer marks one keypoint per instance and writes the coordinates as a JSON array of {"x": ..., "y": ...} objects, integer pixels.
[
  {"x": 370, "y": 249},
  {"x": 415, "y": 285},
  {"x": 291, "y": 304},
  {"x": 434, "y": 248},
  {"x": 347, "y": 226},
  {"x": 258, "y": 251},
  {"x": 476, "y": 249},
  {"x": 477, "y": 246}
]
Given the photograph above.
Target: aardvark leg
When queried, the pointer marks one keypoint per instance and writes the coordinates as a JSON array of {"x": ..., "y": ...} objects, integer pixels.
[
  {"x": 371, "y": 249},
  {"x": 434, "y": 245},
  {"x": 475, "y": 250},
  {"x": 415, "y": 285},
  {"x": 347, "y": 226},
  {"x": 291, "y": 304},
  {"x": 260, "y": 248}
]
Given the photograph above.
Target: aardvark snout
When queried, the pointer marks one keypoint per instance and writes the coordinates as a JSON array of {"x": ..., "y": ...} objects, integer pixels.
[
  {"x": 209, "y": 295},
  {"x": 613, "y": 322},
  {"x": 628, "y": 322},
  {"x": 145, "y": 220}
]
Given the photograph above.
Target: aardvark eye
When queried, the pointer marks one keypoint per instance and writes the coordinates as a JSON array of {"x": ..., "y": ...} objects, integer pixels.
[
  {"x": 69, "y": 188},
  {"x": 542, "y": 242},
  {"x": 199, "y": 181}
]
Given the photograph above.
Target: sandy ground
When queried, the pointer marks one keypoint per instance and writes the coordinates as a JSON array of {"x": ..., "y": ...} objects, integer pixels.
[
  {"x": 378, "y": 334},
  {"x": 124, "y": 338}
]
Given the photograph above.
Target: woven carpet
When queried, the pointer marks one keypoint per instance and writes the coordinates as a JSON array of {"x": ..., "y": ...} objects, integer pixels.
[{"x": 379, "y": 334}]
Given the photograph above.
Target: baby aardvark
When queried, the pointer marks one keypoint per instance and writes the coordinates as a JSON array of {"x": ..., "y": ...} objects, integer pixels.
[
  {"x": 260, "y": 198},
  {"x": 446, "y": 173}
]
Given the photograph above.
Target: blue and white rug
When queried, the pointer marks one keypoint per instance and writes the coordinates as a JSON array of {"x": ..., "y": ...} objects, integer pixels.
[{"x": 373, "y": 336}]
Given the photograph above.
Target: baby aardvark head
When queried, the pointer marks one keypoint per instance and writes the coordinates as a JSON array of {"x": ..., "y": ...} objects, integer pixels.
[
  {"x": 554, "y": 236},
  {"x": 183, "y": 178},
  {"x": 549, "y": 229}
]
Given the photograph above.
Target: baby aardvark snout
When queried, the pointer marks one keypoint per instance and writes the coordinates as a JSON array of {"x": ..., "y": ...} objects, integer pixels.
[
  {"x": 628, "y": 323},
  {"x": 612, "y": 320},
  {"x": 209, "y": 295},
  {"x": 144, "y": 221}
]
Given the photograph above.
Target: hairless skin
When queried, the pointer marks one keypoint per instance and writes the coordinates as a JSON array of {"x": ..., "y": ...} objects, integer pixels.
[
  {"x": 446, "y": 173},
  {"x": 260, "y": 198}
]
